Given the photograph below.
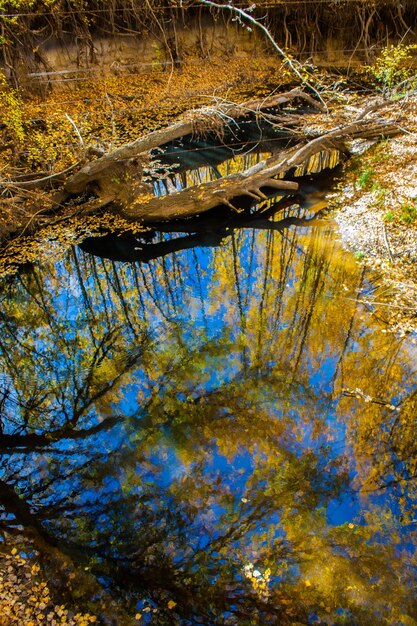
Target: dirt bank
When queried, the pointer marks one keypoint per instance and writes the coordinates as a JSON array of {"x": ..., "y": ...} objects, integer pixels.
[{"x": 376, "y": 210}]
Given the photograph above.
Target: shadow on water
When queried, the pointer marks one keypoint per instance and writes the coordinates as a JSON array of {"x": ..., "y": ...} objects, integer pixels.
[
  {"x": 223, "y": 435},
  {"x": 199, "y": 162},
  {"x": 210, "y": 232}
]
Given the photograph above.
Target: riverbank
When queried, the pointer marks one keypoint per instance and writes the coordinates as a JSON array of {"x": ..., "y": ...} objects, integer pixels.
[{"x": 376, "y": 211}]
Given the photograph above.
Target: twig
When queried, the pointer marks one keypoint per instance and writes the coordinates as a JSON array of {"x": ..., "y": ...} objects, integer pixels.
[
  {"x": 387, "y": 244},
  {"x": 71, "y": 121},
  {"x": 32, "y": 184},
  {"x": 291, "y": 64}
]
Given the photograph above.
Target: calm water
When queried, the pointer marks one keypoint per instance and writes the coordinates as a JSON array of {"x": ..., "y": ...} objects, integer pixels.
[{"x": 222, "y": 435}]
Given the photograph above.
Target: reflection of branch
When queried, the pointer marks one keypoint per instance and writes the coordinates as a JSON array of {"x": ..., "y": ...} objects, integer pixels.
[
  {"x": 358, "y": 393},
  {"x": 4, "y": 396},
  {"x": 21, "y": 510},
  {"x": 389, "y": 483},
  {"x": 34, "y": 441},
  {"x": 126, "y": 248},
  {"x": 41, "y": 487},
  {"x": 89, "y": 401},
  {"x": 82, "y": 392}
]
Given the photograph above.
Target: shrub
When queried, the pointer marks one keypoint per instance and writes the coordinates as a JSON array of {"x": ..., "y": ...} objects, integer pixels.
[
  {"x": 393, "y": 66},
  {"x": 11, "y": 115}
]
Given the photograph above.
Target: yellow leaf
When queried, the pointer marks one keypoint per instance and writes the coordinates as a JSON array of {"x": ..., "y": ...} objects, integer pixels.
[{"x": 171, "y": 604}]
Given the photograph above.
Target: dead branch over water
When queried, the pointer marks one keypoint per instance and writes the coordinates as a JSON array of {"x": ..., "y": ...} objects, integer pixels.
[
  {"x": 201, "y": 198},
  {"x": 136, "y": 201},
  {"x": 196, "y": 121},
  {"x": 115, "y": 181}
]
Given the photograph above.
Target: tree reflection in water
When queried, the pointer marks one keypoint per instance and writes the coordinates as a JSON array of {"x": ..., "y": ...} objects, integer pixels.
[{"x": 225, "y": 435}]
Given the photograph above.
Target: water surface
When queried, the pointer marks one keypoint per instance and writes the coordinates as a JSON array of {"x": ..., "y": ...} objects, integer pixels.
[{"x": 221, "y": 435}]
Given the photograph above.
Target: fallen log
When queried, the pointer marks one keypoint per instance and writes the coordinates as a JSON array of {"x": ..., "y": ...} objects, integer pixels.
[
  {"x": 134, "y": 200},
  {"x": 195, "y": 121},
  {"x": 201, "y": 198}
]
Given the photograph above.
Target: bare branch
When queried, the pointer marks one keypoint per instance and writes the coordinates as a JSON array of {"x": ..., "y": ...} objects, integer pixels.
[{"x": 292, "y": 63}]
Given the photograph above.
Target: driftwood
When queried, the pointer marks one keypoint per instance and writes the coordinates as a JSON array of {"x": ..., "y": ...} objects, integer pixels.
[
  {"x": 215, "y": 117},
  {"x": 114, "y": 181},
  {"x": 200, "y": 198}
]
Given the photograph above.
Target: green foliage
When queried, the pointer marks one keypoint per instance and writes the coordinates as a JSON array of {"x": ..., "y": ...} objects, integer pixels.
[
  {"x": 379, "y": 192},
  {"x": 365, "y": 177},
  {"x": 11, "y": 114},
  {"x": 406, "y": 214},
  {"x": 393, "y": 66}
]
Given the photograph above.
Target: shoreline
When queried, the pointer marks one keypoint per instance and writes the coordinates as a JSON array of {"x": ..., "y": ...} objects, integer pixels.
[{"x": 375, "y": 209}]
